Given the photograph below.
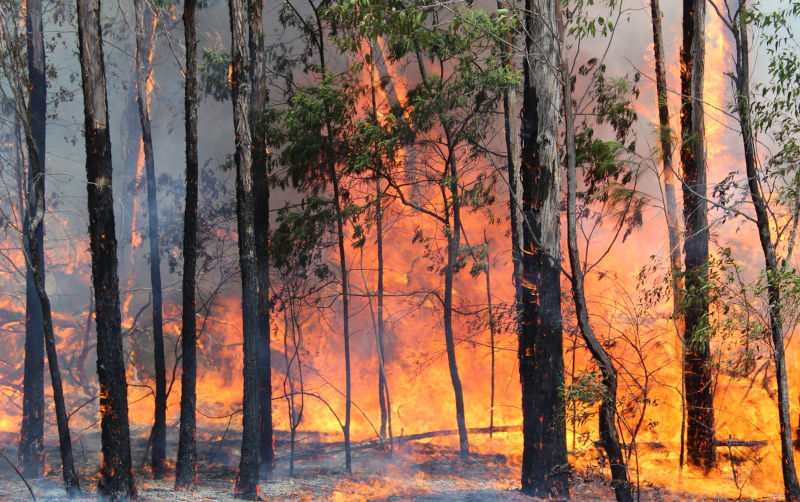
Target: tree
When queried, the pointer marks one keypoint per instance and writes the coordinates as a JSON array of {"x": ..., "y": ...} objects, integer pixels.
[
  {"x": 31, "y": 440},
  {"x": 258, "y": 103},
  {"x": 186, "y": 465},
  {"x": 778, "y": 277},
  {"x": 671, "y": 206},
  {"x": 28, "y": 95},
  {"x": 247, "y": 479},
  {"x": 116, "y": 472},
  {"x": 609, "y": 437},
  {"x": 144, "y": 72},
  {"x": 541, "y": 363},
  {"x": 700, "y": 446}
]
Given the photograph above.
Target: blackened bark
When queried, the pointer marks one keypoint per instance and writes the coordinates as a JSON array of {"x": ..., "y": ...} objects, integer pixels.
[
  {"x": 116, "y": 471},
  {"x": 491, "y": 330},
  {"x": 258, "y": 103},
  {"x": 247, "y": 479},
  {"x": 791, "y": 485},
  {"x": 452, "y": 229},
  {"x": 541, "y": 362},
  {"x": 607, "y": 412},
  {"x": 186, "y": 465},
  {"x": 383, "y": 383},
  {"x": 144, "y": 69},
  {"x": 700, "y": 447},
  {"x": 31, "y": 437},
  {"x": 36, "y": 209},
  {"x": 345, "y": 313},
  {"x": 671, "y": 205},
  {"x": 453, "y": 246}
]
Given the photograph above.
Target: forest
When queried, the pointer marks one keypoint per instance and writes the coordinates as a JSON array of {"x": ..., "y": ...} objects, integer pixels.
[{"x": 384, "y": 250}]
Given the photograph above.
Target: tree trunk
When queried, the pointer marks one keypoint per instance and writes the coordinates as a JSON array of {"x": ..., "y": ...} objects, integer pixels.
[
  {"x": 258, "y": 102},
  {"x": 701, "y": 450},
  {"x": 36, "y": 209},
  {"x": 607, "y": 412},
  {"x": 742, "y": 82},
  {"x": 541, "y": 362},
  {"x": 453, "y": 246},
  {"x": 247, "y": 480},
  {"x": 345, "y": 314},
  {"x": 144, "y": 70},
  {"x": 671, "y": 209},
  {"x": 491, "y": 330},
  {"x": 383, "y": 383},
  {"x": 186, "y": 465},
  {"x": 116, "y": 472},
  {"x": 31, "y": 437}
]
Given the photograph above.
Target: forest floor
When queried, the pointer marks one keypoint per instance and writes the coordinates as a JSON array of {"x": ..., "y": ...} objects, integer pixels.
[{"x": 413, "y": 471}]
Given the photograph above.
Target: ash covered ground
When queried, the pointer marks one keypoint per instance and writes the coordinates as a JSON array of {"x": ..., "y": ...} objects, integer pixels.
[{"x": 416, "y": 470}]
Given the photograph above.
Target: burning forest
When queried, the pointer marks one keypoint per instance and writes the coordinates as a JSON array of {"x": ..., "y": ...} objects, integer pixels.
[{"x": 399, "y": 250}]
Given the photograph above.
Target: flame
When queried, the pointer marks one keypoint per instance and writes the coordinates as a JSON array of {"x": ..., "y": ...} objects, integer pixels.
[{"x": 416, "y": 366}]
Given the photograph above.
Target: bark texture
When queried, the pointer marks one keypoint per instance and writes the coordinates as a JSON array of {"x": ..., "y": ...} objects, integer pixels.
[
  {"x": 670, "y": 201},
  {"x": 541, "y": 363},
  {"x": 791, "y": 485},
  {"x": 31, "y": 437},
  {"x": 247, "y": 479},
  {"x": 186, "y": 465},
  {"x": 700, "y": 447},
  {"x": 258, "y": 103},
  {"x": 116, "y": 472},
  {"x": 144, "y": 70}
]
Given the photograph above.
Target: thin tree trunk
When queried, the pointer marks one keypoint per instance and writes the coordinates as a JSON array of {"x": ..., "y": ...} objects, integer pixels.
[
  {"x": 453, "y": 246},
  {"x": 452, "y": 231},
  {"x": 31, "y": 440},
  {"x": 345, "y": 313},
  {"x": 247, "y": 480},
  {"x": 541, "y": 362},
  {"x": 186, "y": 465},
  {"x": 36, "y": 258},
  {"x": 144, "y": 70},
  {"x": 258, "y": 103},
  {"x": 116, "y": 472},
  {"x": 791, "y": 485},
  {"x": 491, "y": 330},
  {"x": 671, "y": 209},
  {"x": 607, "y": 412},
  {"x": 701, "y": 450},
  {"x": 383, "y": 383}
]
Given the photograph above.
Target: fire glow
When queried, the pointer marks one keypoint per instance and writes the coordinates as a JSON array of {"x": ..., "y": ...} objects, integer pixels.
[{"x": 416, "y": 364}]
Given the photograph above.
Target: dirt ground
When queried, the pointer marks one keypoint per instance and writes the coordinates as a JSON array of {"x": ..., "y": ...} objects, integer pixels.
[{"x": 412, "y": 471}]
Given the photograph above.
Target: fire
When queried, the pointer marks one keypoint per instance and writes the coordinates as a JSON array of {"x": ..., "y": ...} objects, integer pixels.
[{"x": 416, "y": 366}]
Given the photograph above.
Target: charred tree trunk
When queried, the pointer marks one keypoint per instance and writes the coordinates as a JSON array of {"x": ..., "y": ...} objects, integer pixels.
[
  {"x": 144, "y": 70},
  {"x": 491, "y": 329},
  {"x": 607, "y": 429},
  {"x": 116, "y": 472},
  {"x": 186, "y": 465},
  {"x": 671, "y": 209},
  {"x": 791, "y": 486},
  {"x": 36, "y": 209},
  {"x": 31, "y": 437},
  {"x": 247, "y": 479},
  {"x": 452, "y": 229},
  {"x": 541, "y": 362},
  {"x": 383, "y": 383},
  {"x": 700, "y": 447},
  {"x": 511, "y": 120},
  {"x": 345, "y": 312},
  {"x": 453, "y": 246},
  {"x": 258, "y": 102}
]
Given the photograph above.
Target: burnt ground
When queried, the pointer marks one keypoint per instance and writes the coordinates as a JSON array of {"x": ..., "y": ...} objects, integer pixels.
[{"x": 413, "y": 471}]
